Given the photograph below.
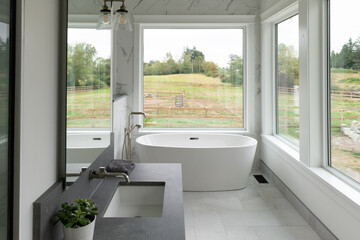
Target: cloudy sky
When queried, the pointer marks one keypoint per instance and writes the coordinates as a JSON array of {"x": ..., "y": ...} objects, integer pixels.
[
  {"x": 215, "y": 44},
  {"x": 345, "y": 22},
  {"x": 100, "y": 39}
]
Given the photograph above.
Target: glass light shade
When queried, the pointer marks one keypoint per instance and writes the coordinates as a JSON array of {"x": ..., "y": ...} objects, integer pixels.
[
  {"x": 104, "y": 20},
  {"x": 123, "y": 21}
]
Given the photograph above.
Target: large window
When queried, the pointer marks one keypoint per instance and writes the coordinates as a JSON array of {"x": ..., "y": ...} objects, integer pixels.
[
  {"x": 344, "y": 90},
  {"x": 193, "y": 78},
  {"x": 287, "y": 79},
  {"x": 88, "y": 79}
]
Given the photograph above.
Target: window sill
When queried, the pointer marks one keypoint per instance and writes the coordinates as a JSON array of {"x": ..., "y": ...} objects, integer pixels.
[
  {"x": 344, "y": 194},
  {"x": 282, "y": 147},
  {"x": 143, "y": 131}
]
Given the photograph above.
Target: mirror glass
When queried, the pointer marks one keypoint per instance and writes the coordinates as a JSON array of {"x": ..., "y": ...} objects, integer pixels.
[{"x": 88, "y": 98}]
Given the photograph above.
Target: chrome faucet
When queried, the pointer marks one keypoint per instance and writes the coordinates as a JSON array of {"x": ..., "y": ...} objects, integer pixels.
[
  {"x": 102, "y": 173},
  {"x": 128, "y": 131}
]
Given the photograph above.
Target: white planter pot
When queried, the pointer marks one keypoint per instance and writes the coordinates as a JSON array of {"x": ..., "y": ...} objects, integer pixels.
[{"x": 82, "y": 233}]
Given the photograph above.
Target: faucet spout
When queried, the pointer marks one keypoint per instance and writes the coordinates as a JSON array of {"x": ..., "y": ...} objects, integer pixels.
[
  {"x": 133, "y": 127},
  {"x": 134, "y": 113},
  {"x": 102, "y": 173}
]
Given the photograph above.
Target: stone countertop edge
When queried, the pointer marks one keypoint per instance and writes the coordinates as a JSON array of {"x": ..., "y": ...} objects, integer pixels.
[{"x": 169, "y": 226}]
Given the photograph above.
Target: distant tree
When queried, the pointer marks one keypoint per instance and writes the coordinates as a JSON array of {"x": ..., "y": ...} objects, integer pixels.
[
  {"x": 236, "y": 70},
  {"x": 186, "y": 64},
  {"x": 83, "y": 69},
  {"x": 81, "y": 63},
  {"x": 210, "y": 69},
  {"x": 197, "y": 64},
  {"x": 288, "y": 66},
  {"x": 194, "y": 54},
  {"x": 191, "y": 61},
  {"x": 102, "y": 71},
  {"x": 347, "y": 53},
  {"x": 234, "y": 74},
  {"x": 171, "y": 65},
  {"x": 348, "y": 57}
]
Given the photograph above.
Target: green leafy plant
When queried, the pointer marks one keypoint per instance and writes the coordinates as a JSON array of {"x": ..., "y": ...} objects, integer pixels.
[{"x": 77, "y": 215}]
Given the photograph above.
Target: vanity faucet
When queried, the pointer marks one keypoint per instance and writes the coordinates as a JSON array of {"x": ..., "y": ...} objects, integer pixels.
[{"x": 102, "y": 173}]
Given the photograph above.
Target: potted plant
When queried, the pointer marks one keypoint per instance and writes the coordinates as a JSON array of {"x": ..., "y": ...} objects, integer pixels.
[{"x": 78, "y": 219}]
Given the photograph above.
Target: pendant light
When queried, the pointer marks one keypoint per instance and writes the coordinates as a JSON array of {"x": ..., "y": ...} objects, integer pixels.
[
  {"x": 123, "y": 19},
  {"x": 104, "y": 21}
]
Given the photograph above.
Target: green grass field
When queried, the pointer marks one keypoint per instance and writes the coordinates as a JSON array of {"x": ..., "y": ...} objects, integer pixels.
[
  {"x": 207, "y": 102},
  {"x": 89, "y": 109}
]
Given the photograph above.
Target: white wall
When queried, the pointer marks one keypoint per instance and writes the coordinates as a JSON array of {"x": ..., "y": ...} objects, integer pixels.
[
  {"x": 119, "y": 124},
  {"x": 37, "y": 117}
]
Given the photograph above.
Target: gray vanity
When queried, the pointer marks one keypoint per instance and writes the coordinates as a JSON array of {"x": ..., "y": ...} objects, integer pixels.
[
  {"x": 165, "y": 223},
  {"x": 170, "y": 223}
]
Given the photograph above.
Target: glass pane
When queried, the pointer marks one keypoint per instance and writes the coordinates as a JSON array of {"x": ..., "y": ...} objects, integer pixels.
[
  {"x": 4, "y": 115},
  {"x": 287, "y": 79},
  {"x": 345, "y": 86},
  {"x": 193, "y": 78},
  {"x": 88, "y": 79}
]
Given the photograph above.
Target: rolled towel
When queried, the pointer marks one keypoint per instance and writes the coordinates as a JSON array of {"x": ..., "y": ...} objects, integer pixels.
[{"x": 120, "y": 165}]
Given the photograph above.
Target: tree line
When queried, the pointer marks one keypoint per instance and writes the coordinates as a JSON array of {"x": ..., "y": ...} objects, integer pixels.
[
  {"x": 348, "y": 57},
  {"x": 85, "y": 69},
  {"x": 193, "y": 61},
  {"x": 287, "y": 66}
]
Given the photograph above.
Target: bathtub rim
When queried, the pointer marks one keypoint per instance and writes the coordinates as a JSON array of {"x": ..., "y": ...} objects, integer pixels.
[
  {"x": 74, "y": 133},
  {"x": 254, "y": 144}
]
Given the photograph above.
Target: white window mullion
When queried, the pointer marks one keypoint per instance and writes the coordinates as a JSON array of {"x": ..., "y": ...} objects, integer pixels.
[{"x": 311, "y": 82}]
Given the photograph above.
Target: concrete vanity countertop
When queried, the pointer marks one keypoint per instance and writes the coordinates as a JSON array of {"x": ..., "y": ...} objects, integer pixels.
[{"x": 169, "y": 226}]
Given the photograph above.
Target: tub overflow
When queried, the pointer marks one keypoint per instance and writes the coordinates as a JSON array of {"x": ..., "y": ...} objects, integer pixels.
[{"x": 194, "y": 138}]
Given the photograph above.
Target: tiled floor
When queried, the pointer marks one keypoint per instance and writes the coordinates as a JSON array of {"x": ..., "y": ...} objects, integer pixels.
[{"x": 258, "y": 212}]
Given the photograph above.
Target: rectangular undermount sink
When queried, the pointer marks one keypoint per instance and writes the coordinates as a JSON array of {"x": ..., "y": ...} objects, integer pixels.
[{"x": 137, "y": 199}]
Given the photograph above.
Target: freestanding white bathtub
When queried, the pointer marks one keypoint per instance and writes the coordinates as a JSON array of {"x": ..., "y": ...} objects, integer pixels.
[{"x": 210, "y": 162}]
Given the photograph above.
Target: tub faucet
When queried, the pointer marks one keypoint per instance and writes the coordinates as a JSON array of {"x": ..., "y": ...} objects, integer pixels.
[
  {"x": 128, "y": 131},
  {"x": 129, "y": 118},
  {"x": 102, "y": 173}
]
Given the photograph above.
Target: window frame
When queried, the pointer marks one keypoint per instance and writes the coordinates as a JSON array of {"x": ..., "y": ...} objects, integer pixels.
[
  {"x": 245, "y": 22},
  {"x": 269, "y": 54},
  {"x": 328, "y": 152}
]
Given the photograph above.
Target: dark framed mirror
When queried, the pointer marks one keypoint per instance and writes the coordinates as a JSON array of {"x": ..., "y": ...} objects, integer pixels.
[{"x": 88, "y": 87}]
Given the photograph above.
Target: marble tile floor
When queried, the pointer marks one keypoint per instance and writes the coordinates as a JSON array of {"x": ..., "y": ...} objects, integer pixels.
[{"x": 258, "y": 212}]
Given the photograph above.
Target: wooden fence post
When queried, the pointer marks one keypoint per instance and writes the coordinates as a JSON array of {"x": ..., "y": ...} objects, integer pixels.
[
  {"x": 169, "y": 117},
  {"x": 342, "y": 116},
  {"x": 157, "y": 96}
]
